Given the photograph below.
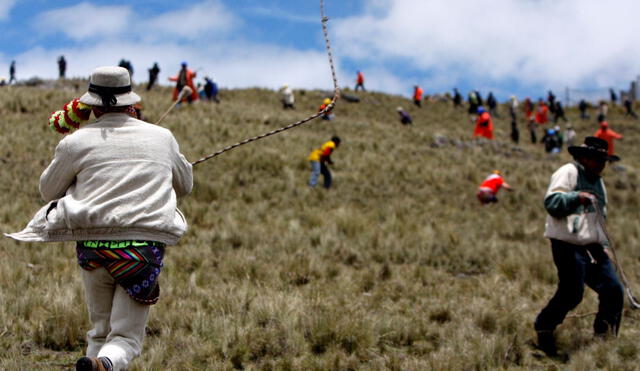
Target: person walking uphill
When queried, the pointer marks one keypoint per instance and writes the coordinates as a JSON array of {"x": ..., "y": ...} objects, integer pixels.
[
  {"x": 184, "y": 78},
  {"x": 417, "y": 95},
  {"x": 359, "y": 81},
  {"x": 607, "y": 134},
  {"x": 579, "y": 244},
  {"x": 112, "y": 186},
  {"x": 319, "y": 158},
  {"x": 484, "y": 125}
]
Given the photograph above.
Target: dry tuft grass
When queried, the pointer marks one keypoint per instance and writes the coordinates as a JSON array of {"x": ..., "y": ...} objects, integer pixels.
[{"x": 395, "y": 268}]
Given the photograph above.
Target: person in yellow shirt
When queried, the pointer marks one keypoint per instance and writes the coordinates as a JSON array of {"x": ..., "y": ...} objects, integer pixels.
[{"x": 319, "y": 158}]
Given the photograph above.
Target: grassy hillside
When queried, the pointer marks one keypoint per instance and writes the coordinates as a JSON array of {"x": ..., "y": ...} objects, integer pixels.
[{"x": 396, "y": 267}]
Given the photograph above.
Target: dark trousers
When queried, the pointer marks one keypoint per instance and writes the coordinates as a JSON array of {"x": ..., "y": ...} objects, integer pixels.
[
  {"x": 324, "y": 170},
  {"x": 575, "y": 269}
]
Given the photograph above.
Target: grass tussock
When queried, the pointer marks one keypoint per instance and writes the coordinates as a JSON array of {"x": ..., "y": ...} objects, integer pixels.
[{"x": 395, "y": 268}]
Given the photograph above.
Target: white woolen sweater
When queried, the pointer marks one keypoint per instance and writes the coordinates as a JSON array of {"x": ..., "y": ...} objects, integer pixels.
[{"x": 115, "y": 179}]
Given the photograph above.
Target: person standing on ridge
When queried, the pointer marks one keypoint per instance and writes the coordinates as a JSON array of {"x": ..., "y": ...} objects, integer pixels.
[
  {"x": 417, "y": 95},
  {"x": 607, "y": 134},
  {"x": 559, "y": 112},
  {"x": 319, "y": 159},
  {"x": 153, "y": 75},
  {"x": 473, "y": 102},
  {"x": 359, "y": 81},
  {"x": 211, "y": 89},
  {"x": 288, "y": 99},
  {"x": 579, "y": 244},
  {"x": 62, "y": 67},
  {"x": 112, "y": 187},
  {"x": 493, "y": 105},
  {"x": 628, "y": 105},
  {"x": 613, "y": 96},
  {"x": 542, "y": 112},
  {"x": 488, "y": 190},
  {"x": 583, "y": 106},
  {"x": 184, "y": 78},
  {"x": 12, "y": 73},
  {"x": 457, "y": 98},
  {"x": 484, "y": 125}
]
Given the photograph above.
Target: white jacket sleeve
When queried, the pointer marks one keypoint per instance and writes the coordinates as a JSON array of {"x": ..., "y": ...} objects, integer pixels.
[
  {"x": 59, "y": 175},
  {"x": 182, "y": 172}
]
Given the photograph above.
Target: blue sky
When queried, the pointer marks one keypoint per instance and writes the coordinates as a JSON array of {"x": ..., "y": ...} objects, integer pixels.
[{"x": 522, "y": 47}]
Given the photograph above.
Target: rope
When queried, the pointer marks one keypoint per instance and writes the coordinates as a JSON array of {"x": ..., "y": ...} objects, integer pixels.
[
  {"x": 329, "y": 107},
  {"x": 632, "y": 300},
  {"x": 184, "y": 91}
]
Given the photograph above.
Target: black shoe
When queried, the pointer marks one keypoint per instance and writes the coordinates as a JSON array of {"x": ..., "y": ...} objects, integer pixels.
[
  {"x": 94, "y": 364},
  {"x": 547, "y": 343}
]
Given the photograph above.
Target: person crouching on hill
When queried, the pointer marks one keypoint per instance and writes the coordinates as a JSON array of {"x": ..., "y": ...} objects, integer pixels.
[
  {"x": 319, "y": 159},
  {"x": 484, "y": 125},
  {"x": 112, "y": 187},
  {"x": 579, "y": 244},
  {"x": 488, "y": 190},
  {"x": 405, "y": 118},
  {"x": 329, "y": 114}
]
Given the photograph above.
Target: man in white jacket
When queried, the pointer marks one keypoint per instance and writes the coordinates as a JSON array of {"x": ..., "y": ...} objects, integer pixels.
[
  {"x": 579, "y": 244},
  {"x": 112, "y": 187}
]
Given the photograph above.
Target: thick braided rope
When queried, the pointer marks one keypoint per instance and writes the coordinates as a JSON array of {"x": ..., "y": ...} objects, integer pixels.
[
  {"x": 632, "y": 300},
  {"x": 336, "y": 95}
]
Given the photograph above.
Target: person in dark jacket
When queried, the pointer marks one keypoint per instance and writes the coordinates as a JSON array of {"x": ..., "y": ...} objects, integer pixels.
[
  {"x": 12, "y": 72},
  {"x": 493, "y": 105},
  {"x": 62, "y": 67},
  {"x": 405, "y": 118},
  {"x": 153, "y": 75},
  {"x": 457, "y": 98}
]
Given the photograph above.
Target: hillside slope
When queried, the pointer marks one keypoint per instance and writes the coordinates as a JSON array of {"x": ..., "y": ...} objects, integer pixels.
[{"x": 396, "y": 267}]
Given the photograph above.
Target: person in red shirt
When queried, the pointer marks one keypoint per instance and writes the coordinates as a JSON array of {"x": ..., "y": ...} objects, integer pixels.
[
  {"x": 184, "y": 78},
  {"x": 542, "y": 113},
  {"x": 484, "y": 125},
  {"x": 490, "y": 186},
  {"x": 360, "y": 81},
  {"x": 417, "y": 95},
  {"x": 607, "y": 134}
]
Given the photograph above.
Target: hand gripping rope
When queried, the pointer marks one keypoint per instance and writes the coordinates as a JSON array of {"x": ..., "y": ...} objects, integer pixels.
[
  {"x": 336, "y": 95},
  {"x": 632, "y": 300}
]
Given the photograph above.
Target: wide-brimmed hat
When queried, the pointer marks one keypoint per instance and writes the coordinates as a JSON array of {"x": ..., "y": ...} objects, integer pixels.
[
  {"x": 110, "y": 87},
  {"x": 593, "y": 147}
]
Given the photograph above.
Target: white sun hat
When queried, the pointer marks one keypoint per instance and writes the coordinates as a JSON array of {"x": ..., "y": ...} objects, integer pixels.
[{"x": 110, "y": 86}]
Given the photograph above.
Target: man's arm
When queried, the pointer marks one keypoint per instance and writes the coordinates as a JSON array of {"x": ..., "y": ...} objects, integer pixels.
[
  {"x": 562, "y": 199},
  {"x": 59, "y": 175},
  {"x": 182, "y": 172}
]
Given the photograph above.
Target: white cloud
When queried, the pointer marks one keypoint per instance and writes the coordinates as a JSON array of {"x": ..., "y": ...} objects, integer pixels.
[
  {"x": 5, "y": 8},
  {"x": 85, "y": 21},
  {"x": 536, "y": 42},
  {"x": 285, "y": 15},
  {"x": 197, "y": 21},
  {"x": 94, "y": 22}
]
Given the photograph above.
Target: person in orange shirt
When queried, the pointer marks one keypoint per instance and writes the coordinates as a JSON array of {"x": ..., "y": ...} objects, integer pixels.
[
  {"x": 607, "y": 134},
  {"x": 490, "y": 186},
  {"x": 360, "y": 81},
  {"x": 184, "y": 78},
  {"x": 484, "y": 125},
  {"x": 417, "y": 96},
  {"x": 542, "y": 113}
]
